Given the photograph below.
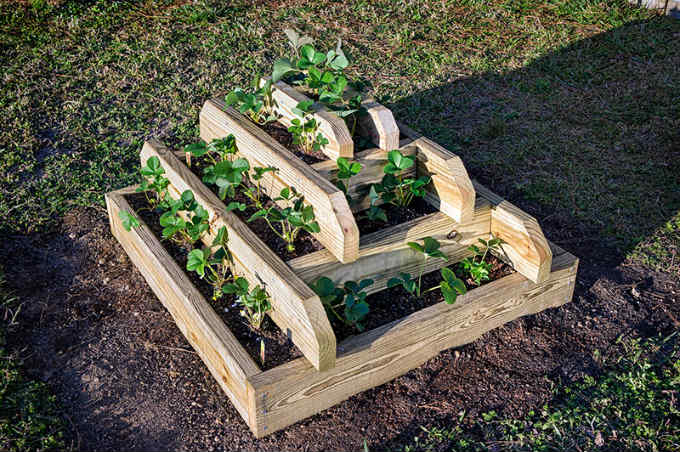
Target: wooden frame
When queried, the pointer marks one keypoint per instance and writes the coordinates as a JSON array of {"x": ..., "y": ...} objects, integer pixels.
[{"x": 274, "y": 399}]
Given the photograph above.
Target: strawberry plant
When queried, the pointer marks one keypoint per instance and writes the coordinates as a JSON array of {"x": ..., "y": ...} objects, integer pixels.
[
  {"x": 177, "y": 228},
  {"x": 290, "y": 220},
  {"x": 257, "y": 103},
  {"x": 223, "y": 148},
  {"x": 128, "y": 220},
  {"x": 347, "y": 303},
  {"x": 346, "y": 170},
  {"x": 255, "y": 302},
  {"x": 153, "y": 180},
  {"x": 305, "y": 129},
  {"x": 394, "y": 188},
  {"x": 254, "y": 191},
  {"x": 227, "y": 175},
  {"x": 476, "y": 266},
  {"x": 213, "y": 263},
  {"x": 429, "y": 249}
]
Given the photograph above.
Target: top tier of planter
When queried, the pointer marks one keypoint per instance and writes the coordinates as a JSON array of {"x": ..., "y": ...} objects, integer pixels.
[{"x": 451, "y": 190}]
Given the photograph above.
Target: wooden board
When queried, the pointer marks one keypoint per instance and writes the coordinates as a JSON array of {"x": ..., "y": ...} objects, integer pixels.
[
  {"x": 339, "y": 232},
  {"x": 384, "y": 254},
  {"x": 379, "y": 125},
  {"x": 297, "y": 310},
  {"x": 294, "y": 391},
  {"x": 526, "y": 247},
  {"x": 226, "y": 359}
]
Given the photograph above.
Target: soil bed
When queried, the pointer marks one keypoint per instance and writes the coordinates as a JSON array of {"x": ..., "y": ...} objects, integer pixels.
[{"x": 278, "y": 349}]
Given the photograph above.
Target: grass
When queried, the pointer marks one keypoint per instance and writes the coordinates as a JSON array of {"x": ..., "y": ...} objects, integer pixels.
[
  {"x": 29, "y": 414},
  {"x": 633, "y": 405},
  {"x": 571, "y": 105}
]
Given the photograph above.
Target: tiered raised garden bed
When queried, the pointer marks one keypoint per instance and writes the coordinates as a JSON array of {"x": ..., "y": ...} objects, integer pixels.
[{"x": 329, "y": 373}]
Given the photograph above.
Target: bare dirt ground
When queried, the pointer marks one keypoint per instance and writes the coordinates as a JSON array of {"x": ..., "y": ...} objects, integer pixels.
[{"x": 128, "y": 379}]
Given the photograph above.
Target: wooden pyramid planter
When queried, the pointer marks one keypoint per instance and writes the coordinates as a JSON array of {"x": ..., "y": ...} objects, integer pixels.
[{"x": 330, "y": 373}]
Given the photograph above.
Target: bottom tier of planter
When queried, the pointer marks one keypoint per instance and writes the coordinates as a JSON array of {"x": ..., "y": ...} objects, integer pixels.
[{"x": 274, "y": 399}]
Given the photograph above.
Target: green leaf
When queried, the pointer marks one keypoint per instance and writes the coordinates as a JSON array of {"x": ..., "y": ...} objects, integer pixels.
[
  {"x": 128, "y": 220},
  {"x": 196, "y": 261},
  {"x": 416, "y": 247},
  {"x": 282, "y": 68}
]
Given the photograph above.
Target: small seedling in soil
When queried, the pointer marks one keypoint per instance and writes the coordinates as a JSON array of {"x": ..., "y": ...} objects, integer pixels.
[
  {"x": 346, "y": 170},
  {"x": 129, "y": 221},
  {"x": 375, "y": 212},
  {"x": 224, "y": 148},
  {"x": 255, "y": 303},
  {"x": 258, "y": 102},
  {"x": 429, "y": 249},
  {"x": 305, "y": 129},
  {"x": 180, "y": 230},
  {"x": 154, "y": 181},
  {"x": 227, "y": 175},
  {"x": 213, "y": 263},
  {"x": 291, "y": 220},
  {"x": 393, "y": 188},
  {"x": 476, "y": 266},
  {"x": 254, "y": 191},
  {"x": 348, "y": 303}
]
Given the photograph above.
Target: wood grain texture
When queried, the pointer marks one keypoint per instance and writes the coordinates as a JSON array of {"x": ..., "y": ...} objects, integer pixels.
[
  {"x": 297, "y": 310},
  {"x": 526, "y": 247},
  {"x": 451, "y": 189},
  {"x": 379, "y": 125},
  {"x": 226, "y": 359},
  {"x": 340, "y": 143},
  {"x": 339, "y": 231},
  {"x": 294, "y": 391},
  {"x": 384, "y": 254}
]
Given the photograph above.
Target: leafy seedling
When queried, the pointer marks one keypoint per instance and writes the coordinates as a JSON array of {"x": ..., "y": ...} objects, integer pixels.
[
  {"x": 177, "y": 228},
  {"x": 348, "y": 303},
  {"x": 346, "y": 170},
  {"x": 153, "y": 180},
  {"x": 476, "y": 266},
  {"x": 257, "y": 103},
  {"x": 305, "y": 129},
  {"x": 396, "y": 189},
  {"x": 254, "y": 192},
  {"x": 227, "y": 175},
  {"x": 214, "y": 264},
  {"x": 224, "y": 148},
  {"x": 128, "y": 220},
  {"x": 429, "y": 249},
  {"x": 290, "y": 220},
  {"x": 255, "y": 302}
]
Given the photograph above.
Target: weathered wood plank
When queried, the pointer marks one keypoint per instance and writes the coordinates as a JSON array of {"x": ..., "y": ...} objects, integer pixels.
[
  {"x": 451, "y": 189},
  {"x": 297, "y": 310},
  {"x": 339, "y": 231},
  {"x": 226, "y": 359},
  {"x": 526, "y": 247},
  {"x": 384, "y": 254},
  {"x": 295, "y": 391},
  {"x": 379, "y": 125}
]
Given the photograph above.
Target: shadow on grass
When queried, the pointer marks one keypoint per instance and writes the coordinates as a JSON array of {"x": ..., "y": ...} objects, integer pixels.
[{"x": 586, "y": 139}]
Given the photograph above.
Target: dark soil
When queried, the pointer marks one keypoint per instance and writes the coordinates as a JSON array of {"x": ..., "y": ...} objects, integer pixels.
[
  {"x": 395, "y": 215},
  {"x": 281, "y": 134},
  {"x": 128, "y": 380},
  {"x": 278, "y": 349}
]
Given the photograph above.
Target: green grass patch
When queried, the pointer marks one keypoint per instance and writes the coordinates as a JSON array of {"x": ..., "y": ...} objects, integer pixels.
[{"x": 632, "y": 405}]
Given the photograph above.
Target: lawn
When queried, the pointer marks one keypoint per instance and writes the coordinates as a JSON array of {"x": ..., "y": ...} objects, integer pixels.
[{"x": 569, "y": 108}]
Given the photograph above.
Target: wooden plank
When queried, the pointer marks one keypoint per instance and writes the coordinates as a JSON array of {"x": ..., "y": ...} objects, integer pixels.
[
  {"x": 340, "y": 143},
  {"x": 526, "y": 247},
  {"x": 226, "y": 359},
  {"x": 384, "y": 254},
  {"x": 297, "y": 310},
  {"x": 295, "y": 391},
  {"x": 339, "y": 231},
  {"x": 379, "y": 125},
  {"x": 451, "y": 190}
]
